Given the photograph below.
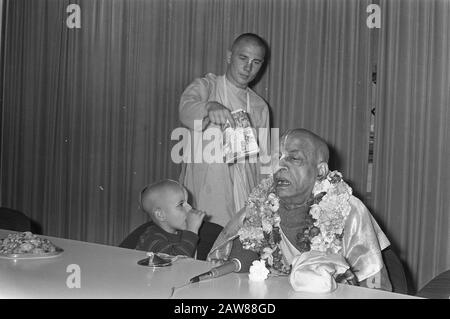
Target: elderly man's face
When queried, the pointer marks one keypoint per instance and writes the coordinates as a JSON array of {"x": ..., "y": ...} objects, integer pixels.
[
  {"x": 244, "y": 63},
  {"x": 298, "y": 170}
]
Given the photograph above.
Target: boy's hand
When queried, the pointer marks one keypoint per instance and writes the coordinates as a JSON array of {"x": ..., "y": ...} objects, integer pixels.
[{"x": 194, "y": 220}]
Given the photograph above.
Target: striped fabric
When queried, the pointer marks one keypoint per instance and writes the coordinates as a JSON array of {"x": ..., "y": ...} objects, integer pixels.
[{"x": 157, "y": 240}]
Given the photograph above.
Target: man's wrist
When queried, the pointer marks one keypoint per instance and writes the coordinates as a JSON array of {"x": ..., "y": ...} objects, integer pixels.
[
  {"x": 193, "y": 230},
  {"x": 210, "y": 104}
]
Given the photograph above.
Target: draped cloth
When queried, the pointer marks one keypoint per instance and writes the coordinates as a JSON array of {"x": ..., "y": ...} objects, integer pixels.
[
  {"x": 220, "y": 189},
  {"x": 315, "y": 271},
  {"x": 362, "y": 244}
]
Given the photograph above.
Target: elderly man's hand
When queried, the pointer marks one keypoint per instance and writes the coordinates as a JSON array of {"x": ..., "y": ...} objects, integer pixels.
[
  {"x": 347, "y": 278},
  {"x": 219, "y": 114}
]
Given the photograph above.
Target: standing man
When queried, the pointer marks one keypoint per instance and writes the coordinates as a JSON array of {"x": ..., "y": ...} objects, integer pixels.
[{"x": 221, "y": 189}]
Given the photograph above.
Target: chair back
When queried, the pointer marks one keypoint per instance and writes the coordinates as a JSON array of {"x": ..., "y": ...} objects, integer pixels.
[
  {"x": 132, "y": 239},
  {"x": 207, "y": 234},
  {"x": 437, "y": 288},
  {"x": 12, "y": 219},
  {"x": 395, "y": 271}
]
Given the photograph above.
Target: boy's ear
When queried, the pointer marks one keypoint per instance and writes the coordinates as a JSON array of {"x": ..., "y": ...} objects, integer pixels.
[
  {"x": 159, "y": 214},
  {"x": 322, "y": 168}
]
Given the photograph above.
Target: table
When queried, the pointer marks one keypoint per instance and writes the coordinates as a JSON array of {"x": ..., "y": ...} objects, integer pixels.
[{"x": 113, "y": 272}]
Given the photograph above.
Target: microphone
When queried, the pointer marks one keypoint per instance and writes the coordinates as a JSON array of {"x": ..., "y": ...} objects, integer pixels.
[{"x": 231, "y": 266}]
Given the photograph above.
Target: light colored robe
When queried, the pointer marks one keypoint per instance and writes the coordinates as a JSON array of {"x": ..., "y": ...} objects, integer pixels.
[{"x": 220, "y": 189}]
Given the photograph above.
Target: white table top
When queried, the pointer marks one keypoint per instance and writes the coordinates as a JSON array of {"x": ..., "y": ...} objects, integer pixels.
[{"x": 112, "y": 272}]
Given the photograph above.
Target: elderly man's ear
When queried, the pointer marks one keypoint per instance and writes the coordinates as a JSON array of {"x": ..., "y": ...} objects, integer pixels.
[
  {"x": 322, "y": 169},
  {"x": 228, "y": 56}
]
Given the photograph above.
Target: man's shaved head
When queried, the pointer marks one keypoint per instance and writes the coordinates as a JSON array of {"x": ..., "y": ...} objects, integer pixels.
[
  {"x": 249, "y": 38},
  {"x": 318, "y": 145}
]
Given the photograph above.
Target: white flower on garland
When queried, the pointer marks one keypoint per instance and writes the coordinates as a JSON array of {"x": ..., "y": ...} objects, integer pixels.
[
  {"x": 258, "y": 271},
  {"x": 274, "y": 202},
  {"x": 250, "y": 237},
  {"x": 266, "y": 226},
  {"x": 320, "y": 187}
]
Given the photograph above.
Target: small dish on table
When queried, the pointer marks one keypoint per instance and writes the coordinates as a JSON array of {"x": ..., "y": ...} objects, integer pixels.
[{"x": 159, "y": 260}]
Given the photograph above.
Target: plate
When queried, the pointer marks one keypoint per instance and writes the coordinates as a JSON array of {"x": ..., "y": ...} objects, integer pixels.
[
  {"x": 33, "y": 256},
  {"x": 162, "y": 263}
]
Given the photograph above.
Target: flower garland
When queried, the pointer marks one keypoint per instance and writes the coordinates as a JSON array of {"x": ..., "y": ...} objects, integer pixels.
[
  {"x": 261, "y": 228},
  {"x": 329, "y": 208}
]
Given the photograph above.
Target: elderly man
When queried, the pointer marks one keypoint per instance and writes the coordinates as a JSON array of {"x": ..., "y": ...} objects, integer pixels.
[
  {"x": 326, "y": 234},
  {"x": 221, "y": 189}
]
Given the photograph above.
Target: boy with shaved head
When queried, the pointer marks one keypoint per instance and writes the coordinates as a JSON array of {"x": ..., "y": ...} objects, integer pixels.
[
  {"x": 219, "y": 188},
  {"x": 175, "y": 224}
]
